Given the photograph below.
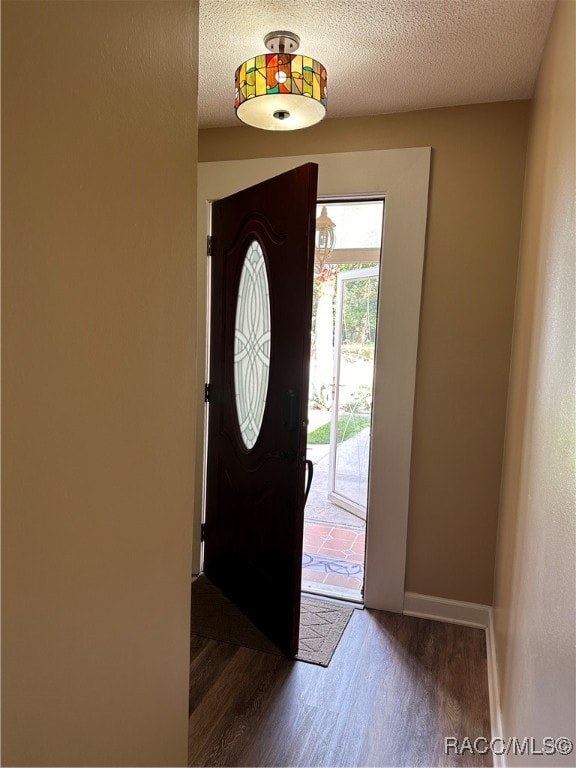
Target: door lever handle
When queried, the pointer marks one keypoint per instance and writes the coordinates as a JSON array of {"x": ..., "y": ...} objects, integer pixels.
[{"x": 309, "y": 476}]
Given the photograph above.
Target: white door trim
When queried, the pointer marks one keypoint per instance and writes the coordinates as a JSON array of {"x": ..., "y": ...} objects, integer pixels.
[{"x": 401, "y": 176}]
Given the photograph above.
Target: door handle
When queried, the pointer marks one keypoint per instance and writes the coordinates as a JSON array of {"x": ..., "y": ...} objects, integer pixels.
[{"x": 309, "y": 476}]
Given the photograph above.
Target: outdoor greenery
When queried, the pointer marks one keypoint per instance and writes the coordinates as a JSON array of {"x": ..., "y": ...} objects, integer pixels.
[
  {"x": 360, "y": 401},
  {"x": 359, "y": 316},
  {"x": 358, "y": 329},
  {"x": 362, "y": 299},
  {"x": 348, "y": 426}
]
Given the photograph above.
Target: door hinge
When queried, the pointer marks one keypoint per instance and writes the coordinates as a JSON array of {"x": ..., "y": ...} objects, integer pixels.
[
  {"x": 209, "y": 245},
  {"x": 206, "y": 393},
  {"x": 203, "y": 532}
]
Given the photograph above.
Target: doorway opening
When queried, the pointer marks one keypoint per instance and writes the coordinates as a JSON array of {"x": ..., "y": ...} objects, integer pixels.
[
  {"x": 401, "y": 176},
  {"x": 343, "y": 343}
]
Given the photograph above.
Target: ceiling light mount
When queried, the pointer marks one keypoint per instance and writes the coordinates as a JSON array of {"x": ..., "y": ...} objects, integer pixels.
[
  {"x": 281, "y": 90},
  {"x": 282, "y": 42}
]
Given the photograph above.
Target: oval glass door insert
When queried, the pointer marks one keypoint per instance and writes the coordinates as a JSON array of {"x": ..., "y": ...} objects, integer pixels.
[{"x": 252, "y": 344}]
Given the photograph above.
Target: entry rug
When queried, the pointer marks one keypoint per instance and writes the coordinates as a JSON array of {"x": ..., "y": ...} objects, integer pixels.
[{"x": 322, "y": 624}]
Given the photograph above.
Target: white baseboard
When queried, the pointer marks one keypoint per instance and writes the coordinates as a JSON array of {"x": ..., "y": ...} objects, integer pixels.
[
  {"x": 442, "y": 609},
  {"x": 470, "y": 615}
]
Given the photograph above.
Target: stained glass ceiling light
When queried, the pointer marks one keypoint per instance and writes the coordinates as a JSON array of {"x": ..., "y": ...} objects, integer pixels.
[{"x": 280, "y": 91}]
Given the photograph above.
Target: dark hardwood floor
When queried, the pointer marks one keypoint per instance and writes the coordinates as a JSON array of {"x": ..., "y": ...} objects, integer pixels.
[{"x": 394, "y": 689}]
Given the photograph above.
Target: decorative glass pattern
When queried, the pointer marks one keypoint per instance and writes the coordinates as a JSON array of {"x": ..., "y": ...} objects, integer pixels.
[
  {"x": 280, "y": 73},
  {"x": 252, "y": 344}
]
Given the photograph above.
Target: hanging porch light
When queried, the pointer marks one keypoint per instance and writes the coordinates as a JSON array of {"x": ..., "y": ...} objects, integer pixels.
[{"x": 324, "y": 240}]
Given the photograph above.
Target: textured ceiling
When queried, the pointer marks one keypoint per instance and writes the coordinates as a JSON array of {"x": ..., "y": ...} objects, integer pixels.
[{"x": 381, "y": 55}]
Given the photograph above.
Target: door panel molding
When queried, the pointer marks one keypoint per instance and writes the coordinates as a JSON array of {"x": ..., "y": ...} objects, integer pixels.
[
  {"x": 255, "y": 224},
  {"x": 402, "y": 177}
]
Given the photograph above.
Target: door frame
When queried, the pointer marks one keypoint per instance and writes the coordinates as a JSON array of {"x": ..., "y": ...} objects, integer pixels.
[{"x": 401, "y": 176}]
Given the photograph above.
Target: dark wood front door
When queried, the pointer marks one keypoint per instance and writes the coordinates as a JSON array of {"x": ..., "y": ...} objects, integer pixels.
[{"x": 261, "y": 279}]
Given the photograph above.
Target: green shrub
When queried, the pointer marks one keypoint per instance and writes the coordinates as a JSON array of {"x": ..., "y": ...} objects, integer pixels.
[{"x": 348, "y": 426}]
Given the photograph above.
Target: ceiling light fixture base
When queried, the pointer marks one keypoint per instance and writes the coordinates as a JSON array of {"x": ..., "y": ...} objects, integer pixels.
[{"x": 282, "y": 42}]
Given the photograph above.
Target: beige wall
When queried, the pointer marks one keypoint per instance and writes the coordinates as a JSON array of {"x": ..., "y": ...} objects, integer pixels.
[
  {"x": 535, "y": 577},
  {"x": 98, "y": 243},
  {"x": 478, "y": 156}
]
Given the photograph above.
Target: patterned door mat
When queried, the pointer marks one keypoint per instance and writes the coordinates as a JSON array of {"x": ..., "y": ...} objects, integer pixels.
[{"x": 322, "y": 624}]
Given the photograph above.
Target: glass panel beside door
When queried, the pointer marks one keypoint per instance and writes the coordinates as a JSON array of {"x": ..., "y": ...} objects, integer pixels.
[{"x": 354, "y": 344}]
